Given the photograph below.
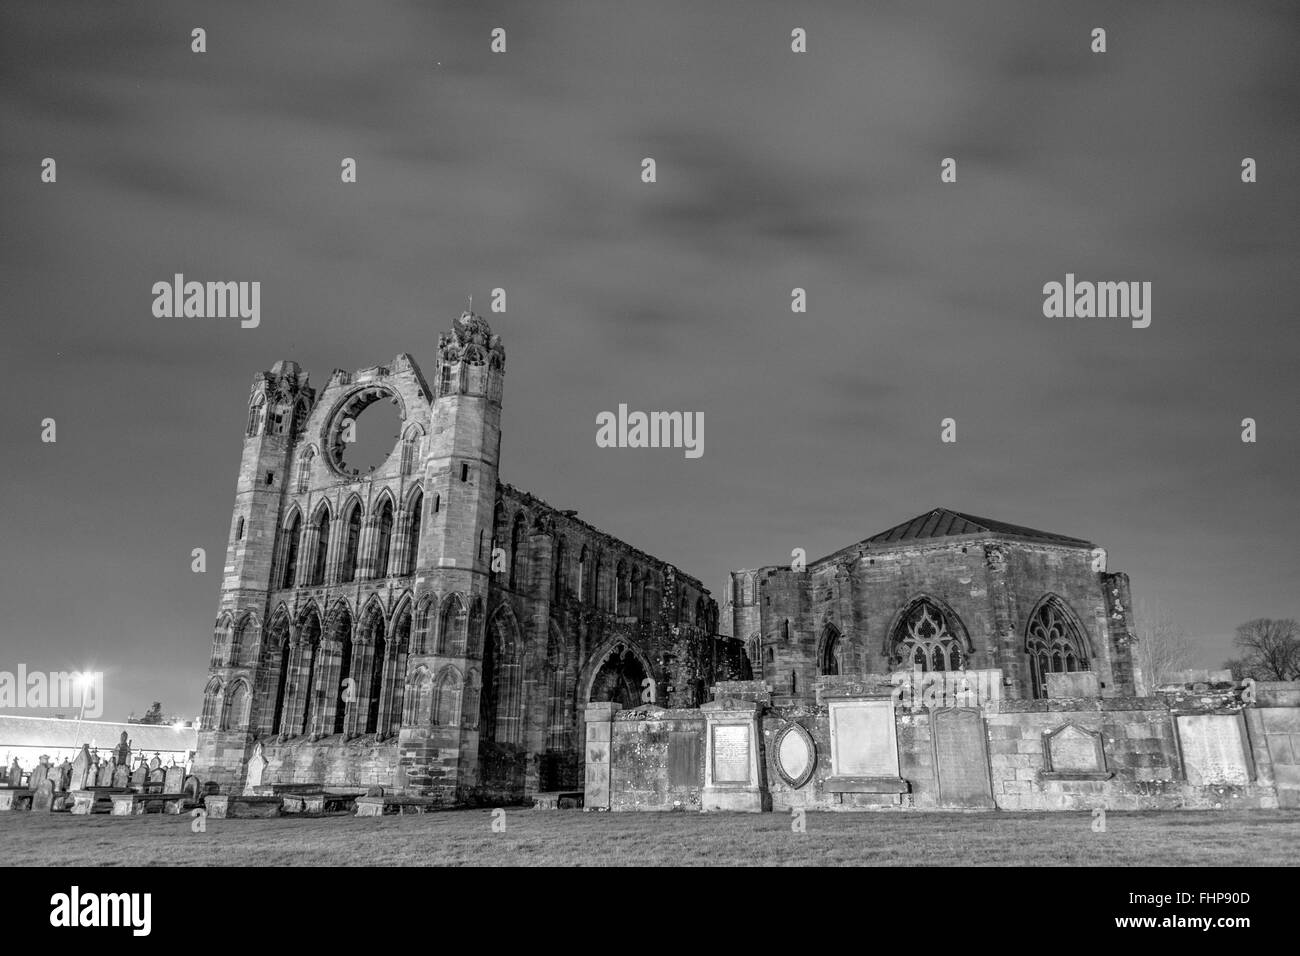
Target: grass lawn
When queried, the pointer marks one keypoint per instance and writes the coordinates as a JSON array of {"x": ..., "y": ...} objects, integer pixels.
[{"x": 573, "y": 838}]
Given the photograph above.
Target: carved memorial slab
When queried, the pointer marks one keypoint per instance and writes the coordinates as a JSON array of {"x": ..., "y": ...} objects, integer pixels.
[
  {"x": 796, "y": 755},
  {"x": 864, "y": 741},
  {"x": 1214, "y": 750},
  {"x": 731, "y": 754},
  {"x": 961, "y": 758},
  {"x": 684, "y": 759},
  {"x": 1073, "y": 749},
  {"x": 174, "y": 779}
]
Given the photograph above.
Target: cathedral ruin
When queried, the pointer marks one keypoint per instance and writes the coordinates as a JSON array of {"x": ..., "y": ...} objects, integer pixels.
[
  {"x": 425, "y": 627},
  {"x": 425, "y": 635}
]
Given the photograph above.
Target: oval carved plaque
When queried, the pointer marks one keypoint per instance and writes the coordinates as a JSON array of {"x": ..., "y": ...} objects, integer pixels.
[{"x": 796, "y": 755}]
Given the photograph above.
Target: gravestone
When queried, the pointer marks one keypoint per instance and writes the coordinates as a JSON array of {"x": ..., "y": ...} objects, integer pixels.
[
  {"x": 256, "y": 767},
  {"x": 154, "y": 763},
  {"x": 105, "y": 774},
  {"x": 795, "y": 755},
  {"x": 80, "y": 769},
  {"x": 1214, "y": 750},
  {"x": 174, "y": 779},
  {"x": 1072, "y": 749},
  {"x": 122, "y": 753},
  {"x": 731, "y": 756},
  {"x": 43, "y": 797},
  {"x": 961, "y": 757},
  {"x": 15, "y": 774},
  {"x": 157, "y": 777},
  {"x": 40, "y": 773},
  {"x": 65, "y": 774},
  {"x": 121, "y": 777},
  {"x": 140, "y": 778},
  {"x": 192, "y": 788}
]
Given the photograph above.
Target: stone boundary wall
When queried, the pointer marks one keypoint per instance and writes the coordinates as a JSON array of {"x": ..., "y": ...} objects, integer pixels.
[{"x": 655, "y": 757}]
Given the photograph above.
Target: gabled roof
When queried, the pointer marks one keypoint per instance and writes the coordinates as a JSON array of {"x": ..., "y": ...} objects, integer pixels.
[{"x": 942, "y": 523}]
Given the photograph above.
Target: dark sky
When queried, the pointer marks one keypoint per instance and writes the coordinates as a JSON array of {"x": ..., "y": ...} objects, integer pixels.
[{"x": 775, "y": 170}]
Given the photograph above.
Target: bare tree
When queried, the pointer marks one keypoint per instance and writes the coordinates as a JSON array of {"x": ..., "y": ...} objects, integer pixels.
[
  {"x": 1161, "y": 643},
  {"x": 1270, "y": 650}
]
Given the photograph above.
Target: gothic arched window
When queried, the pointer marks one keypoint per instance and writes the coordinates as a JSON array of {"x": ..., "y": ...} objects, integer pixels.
[
  {"x": 830, "y": 655},
  {"x": 256, "y": 415},
  {"x": 383, "y": 538},
  {"x": 1054, "y": 645},
  {"x": 351, "y": 541},
  {"x": 924, "y": 640}
]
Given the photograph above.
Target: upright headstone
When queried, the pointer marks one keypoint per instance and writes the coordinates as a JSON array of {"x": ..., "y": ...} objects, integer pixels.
[
  {"x": 106, "y": 774},
  {"x": 156, "y": 779},
  {"x": 122, "y": 753},
  {"x": 121, "y": 777},
  {"x": 65, "y": 774},
  {"x": 43, "y": 797},
  {"x": 174, "y": 779},
  {"x": 40, "y": 773},
  {"x": 256, "y": 767},
  {"x": 15, "y": 774},
  {"x": 154, "y": 762},
  {"x": 80, "y": 768},
  {"x": 140, "y": 778},
  {"x": 864, "y": 750}
]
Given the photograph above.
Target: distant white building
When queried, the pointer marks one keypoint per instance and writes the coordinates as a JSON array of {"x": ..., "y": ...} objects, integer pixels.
[{"x": 28, "y": 737}]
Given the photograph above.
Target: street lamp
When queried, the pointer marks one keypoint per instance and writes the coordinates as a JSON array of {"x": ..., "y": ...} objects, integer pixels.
[{"x": 83, "y": 680}]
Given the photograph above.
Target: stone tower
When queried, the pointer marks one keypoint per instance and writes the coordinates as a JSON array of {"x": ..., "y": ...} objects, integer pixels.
[{"x": 455, "y": 550}]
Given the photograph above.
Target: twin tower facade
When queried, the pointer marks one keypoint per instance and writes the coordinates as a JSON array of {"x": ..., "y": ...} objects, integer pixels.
[{"x": 425, "y": 627}]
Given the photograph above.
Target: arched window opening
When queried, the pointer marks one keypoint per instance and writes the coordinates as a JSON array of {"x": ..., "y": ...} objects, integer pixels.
[
  {"x": 582, "y": 573},
  {"x": 830, "y": 656},
  {"x": 256, "y": 415},
  {"x": 236, "y": 705},
  {"x": 619, "y": 679},
  {"x": 384, "y": 535},
  {"x": 923, "y": 640},
  {"x": 561, "y": 568},
  {"x": 1054, "y": 645},
  {"x": 517, "y": 544},
  {"x": 278, "y": 641},
  {"x": 413, "y": 540},
  {"x": 451, "y": 626},
  {"x": 351, "y": 541},
  {"x": 289, "y": 542},
  {"x": 322, "y": 547}
]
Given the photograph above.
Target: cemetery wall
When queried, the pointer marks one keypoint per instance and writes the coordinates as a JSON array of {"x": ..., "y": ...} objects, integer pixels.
[{"x": 1190, "y": 749}]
